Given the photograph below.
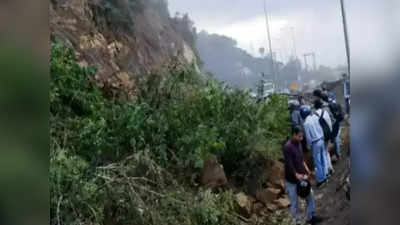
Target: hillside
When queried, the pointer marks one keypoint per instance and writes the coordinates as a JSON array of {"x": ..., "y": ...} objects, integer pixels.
[{"x": 124, "y": 39}]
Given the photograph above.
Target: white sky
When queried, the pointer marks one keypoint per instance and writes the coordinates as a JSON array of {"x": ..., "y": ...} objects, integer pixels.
[{"x": 317, "y": 23}]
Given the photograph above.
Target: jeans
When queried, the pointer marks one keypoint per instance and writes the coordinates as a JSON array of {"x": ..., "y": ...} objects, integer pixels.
[
  {"x": 292, "y": 192},
  {"x": 318, "y": 151},
  {"x": 337, "y": 145}
]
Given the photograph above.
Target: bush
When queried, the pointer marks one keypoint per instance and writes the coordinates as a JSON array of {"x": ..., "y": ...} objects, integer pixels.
[{"x": 111, "y": 160}]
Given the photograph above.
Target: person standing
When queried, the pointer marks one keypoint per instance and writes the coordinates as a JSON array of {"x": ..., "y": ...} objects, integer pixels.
[
  {"x": 296, "y": 170},
  {"x": 327, "y": 130},
  {"x": 315, "y": 141},
  {"x": 337, "y": 115},
  {"x": 295, "y": 114}
]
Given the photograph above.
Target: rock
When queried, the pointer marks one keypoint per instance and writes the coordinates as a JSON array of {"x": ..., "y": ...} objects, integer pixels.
[
  {"x": 276, "y": 174},
  {"x": 282, "y": 203},
  {"x": 83, "y": 63},
  {"x": 257, "y": 207},
  {"x": 213, "y": 173},
  {"x": 125, "y": 79},
  {"x": 264, "y": 212},
  {"x": 254, "y": 219},
  {"x": 92, "y": 41},
  {"x": 268, "y": 195},
  {"x": 244, "y": 204},
  {"x": 271, "y": 207},
  {"x": 252, "y": 199},
  {"x": 114, "y": 48}
]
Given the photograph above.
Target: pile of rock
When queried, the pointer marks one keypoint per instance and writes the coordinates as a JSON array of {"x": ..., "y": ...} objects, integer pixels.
[
  {"x": 264, "y": 200},
  {"x": 267, "y": 199}
]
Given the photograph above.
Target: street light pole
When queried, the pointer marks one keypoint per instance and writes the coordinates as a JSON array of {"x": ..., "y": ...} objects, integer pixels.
[
  {"x": 295, "y": 56},
  {"x": 346, "y": 37}
]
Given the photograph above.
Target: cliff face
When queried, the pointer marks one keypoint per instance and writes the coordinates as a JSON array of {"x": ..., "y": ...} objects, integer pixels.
[{"x": 124, "y": 39}]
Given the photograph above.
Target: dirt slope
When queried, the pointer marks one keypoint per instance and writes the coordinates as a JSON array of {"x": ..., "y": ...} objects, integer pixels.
[{"x": 124, "y": 39}]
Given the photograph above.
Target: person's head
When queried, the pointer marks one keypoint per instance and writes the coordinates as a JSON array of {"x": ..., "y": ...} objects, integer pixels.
[
  {"x": 318, "y": 104},
  {"x": 305, "y": 111},
  {"x": 297, "y": 134},
  {"x": 320, "y": 95}
]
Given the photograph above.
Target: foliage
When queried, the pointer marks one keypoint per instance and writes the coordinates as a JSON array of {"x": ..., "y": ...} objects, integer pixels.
[{"x": 114, "y": 161}]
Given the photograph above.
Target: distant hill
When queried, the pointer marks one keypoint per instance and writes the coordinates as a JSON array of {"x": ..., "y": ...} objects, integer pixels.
[{"x": 226, "y": 62}]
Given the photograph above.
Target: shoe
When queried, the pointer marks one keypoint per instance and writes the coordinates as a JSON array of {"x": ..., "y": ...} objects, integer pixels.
[
  {"x": 328, "y": 174},
  {"x": 322, "y": 183},
  {"x": 315, "y": 220}
]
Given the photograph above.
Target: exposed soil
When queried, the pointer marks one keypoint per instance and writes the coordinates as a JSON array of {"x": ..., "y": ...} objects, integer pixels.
[{"x": 331, "y": 200}]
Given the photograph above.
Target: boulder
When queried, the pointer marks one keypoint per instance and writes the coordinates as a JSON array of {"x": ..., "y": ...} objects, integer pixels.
[
  {"x": 213, "y": 174},
  {"x": 257, "y": 207},
  {"x": 276, "y": 174},
  {"x": 282, "y": 203},
  {"x": 268, "y": 195},
  {"x": 244, "y": 204},
  {"x": 251, "y": 198},
  {"x": 264, "y": 212},
  {"x": 271, "y": 207}
]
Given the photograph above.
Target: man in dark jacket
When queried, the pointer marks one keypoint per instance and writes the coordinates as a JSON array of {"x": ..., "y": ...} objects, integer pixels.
[{"x": 296, "y": 170}]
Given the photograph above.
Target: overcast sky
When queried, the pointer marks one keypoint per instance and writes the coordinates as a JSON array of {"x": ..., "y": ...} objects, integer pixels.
[{"x": 317, "y": 23}]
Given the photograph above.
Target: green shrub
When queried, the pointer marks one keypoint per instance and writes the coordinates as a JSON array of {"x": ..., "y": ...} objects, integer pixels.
[{"x": 111, "y": 159}]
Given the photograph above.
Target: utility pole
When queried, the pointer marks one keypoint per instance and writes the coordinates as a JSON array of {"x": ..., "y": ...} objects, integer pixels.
[
  {"x": 269, "y": 42},
  {"x": 276, "y": 66},
  {"x": 346, "y": 37},
  {"x": 314, "y": 61},
  {"x": 305, "y": 63},
  {"x": 294, "y": 42},
  {"x": 292, "y": 32}
]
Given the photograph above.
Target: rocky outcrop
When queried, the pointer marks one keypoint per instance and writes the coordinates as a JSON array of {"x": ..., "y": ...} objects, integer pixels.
[{"x": 124, "y": 43}]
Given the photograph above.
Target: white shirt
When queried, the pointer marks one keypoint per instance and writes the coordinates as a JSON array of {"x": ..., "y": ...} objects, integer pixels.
[
  {"x": 312, "y": 130},
  {"x": 327, "y": 118}
]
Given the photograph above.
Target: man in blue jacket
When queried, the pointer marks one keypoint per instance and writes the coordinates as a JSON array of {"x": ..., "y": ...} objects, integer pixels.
[{"x": 315, "y": 141}]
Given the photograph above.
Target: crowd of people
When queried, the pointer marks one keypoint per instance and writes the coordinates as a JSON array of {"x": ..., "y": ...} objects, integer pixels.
[{"x": 316, "y": 129}]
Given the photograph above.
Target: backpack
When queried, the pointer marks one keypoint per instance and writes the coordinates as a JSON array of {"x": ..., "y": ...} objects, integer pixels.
[
  {"x": 336, "y": 111},
  {"x": 325, "y": 127}
]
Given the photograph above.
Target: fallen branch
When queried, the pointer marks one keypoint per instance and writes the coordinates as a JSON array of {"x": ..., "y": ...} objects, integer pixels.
[
  {"x": 241, "y": 217},
  {"x": 142, "y": 188}
]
